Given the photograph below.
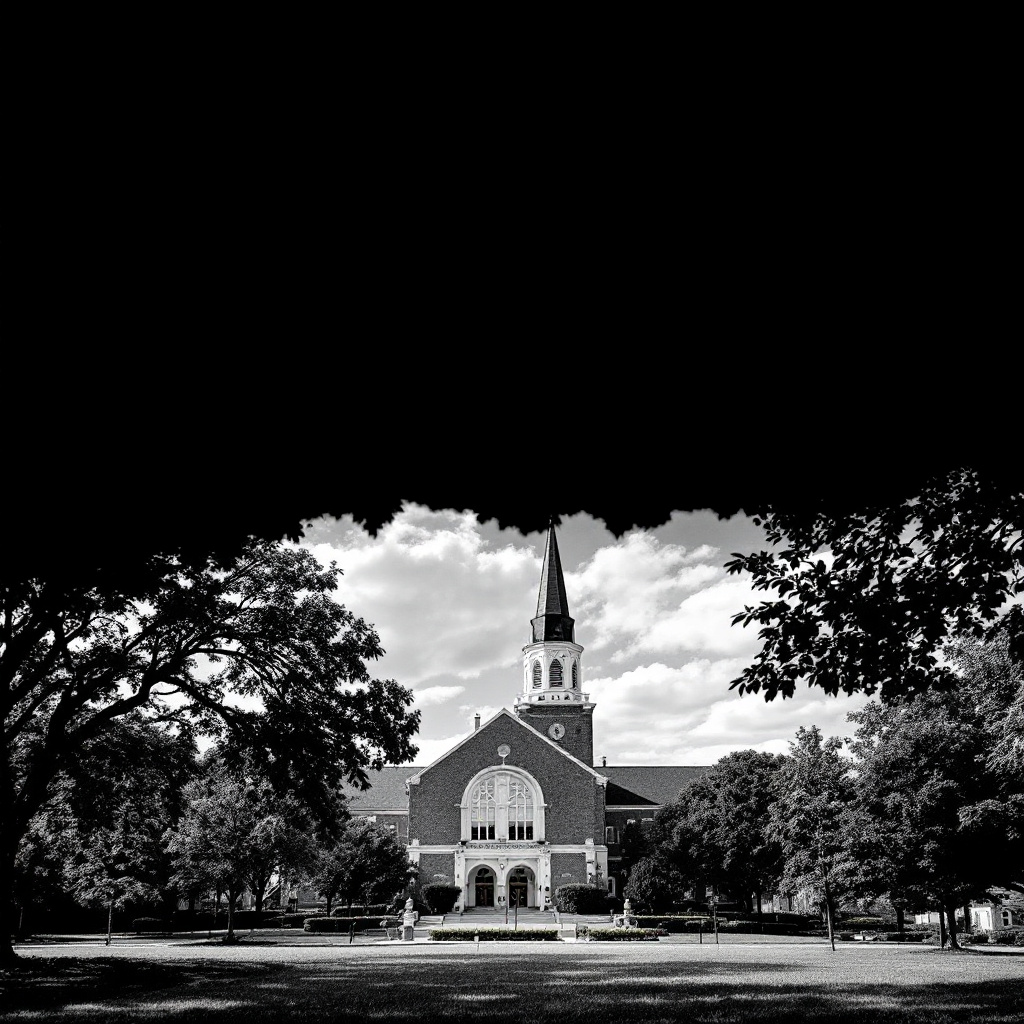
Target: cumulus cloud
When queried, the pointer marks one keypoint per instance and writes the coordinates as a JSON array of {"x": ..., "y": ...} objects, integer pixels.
[
  {"x": 452, "y": 599},
  {"x": 438, "y": 695}
]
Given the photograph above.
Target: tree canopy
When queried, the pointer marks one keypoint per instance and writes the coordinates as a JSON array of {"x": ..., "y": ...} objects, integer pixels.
[
  {"x": 864, "y": 600},
  {"x": 257, "y": 651}
]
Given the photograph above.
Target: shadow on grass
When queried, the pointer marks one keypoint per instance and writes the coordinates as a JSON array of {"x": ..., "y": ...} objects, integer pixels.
[{"x": 501, "y": 989}]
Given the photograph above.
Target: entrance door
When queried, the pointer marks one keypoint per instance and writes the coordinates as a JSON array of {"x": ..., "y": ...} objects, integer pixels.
[
  {"x": 517, "y": 892},
  {"x": 518, "y": 887},
  {"x": 484, "y": 888}
]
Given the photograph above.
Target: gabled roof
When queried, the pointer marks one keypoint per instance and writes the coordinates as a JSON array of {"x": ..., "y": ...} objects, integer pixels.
[
  {"x": 386, "y": 792},
  {"x": 655, "y": 784},
  {"x": 599, "y": 775}
]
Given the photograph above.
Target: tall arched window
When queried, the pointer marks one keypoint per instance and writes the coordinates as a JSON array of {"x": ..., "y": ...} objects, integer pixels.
[
  {"x": 575, "y": 675},
  {"x": 483, "y": 805},
  {"x": 503, "y": 803},
  {"x": 520, "y": 810},
  {"x": 555, "y": 673},
  {"x": 536, "y": 674}
]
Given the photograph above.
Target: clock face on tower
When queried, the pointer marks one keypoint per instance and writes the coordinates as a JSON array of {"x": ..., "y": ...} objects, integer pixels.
[{"x": 556, "y": 731}]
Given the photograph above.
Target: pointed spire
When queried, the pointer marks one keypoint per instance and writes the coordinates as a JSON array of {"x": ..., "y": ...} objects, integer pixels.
[{"x": 552, "y": 621}]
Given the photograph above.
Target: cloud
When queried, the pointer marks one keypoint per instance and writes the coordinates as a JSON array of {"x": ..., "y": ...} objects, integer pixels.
[{"x": 437, "y": 695}]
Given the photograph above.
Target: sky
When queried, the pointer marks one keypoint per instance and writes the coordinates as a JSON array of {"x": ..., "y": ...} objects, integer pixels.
[{"x": 452, "y": 598}]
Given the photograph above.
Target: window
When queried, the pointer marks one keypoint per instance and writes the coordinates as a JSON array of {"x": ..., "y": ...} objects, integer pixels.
[
  {"x": 503, "y": 804},
  {"x": 536, "y": 674},
  {"x": 609, "y": 834},
  {"x": 520, "y": 810},
  {"x": 1007, "y": 919},
  {"x": 482, "y": 810},
  {"x": 575, "y": 675},
  {"x": 555, "y": 673}
]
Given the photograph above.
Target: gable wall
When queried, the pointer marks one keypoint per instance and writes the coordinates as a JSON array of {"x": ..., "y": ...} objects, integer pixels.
[{"x": 575, "y": 802}]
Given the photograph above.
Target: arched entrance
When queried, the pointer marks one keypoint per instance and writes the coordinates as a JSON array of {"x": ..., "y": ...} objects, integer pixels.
[
  {"x": 522, "y": 887},
  {"x": 483, "y": 888}
]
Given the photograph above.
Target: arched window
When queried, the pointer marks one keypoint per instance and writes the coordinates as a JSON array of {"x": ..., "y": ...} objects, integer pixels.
[
  {"x": 503, "y": 803},
  {"x": 483, "y": 805},
  {"x": 555, "y": 673},
  {"x": 520, "y": 810},
  {"x": 536, "y": 674},
  {"x": 575, "y": 675}
]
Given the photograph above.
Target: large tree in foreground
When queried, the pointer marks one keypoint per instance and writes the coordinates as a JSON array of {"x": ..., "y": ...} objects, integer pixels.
[
  {"x": 258, "y": 650},
  {"x": 863, "y": 600}
]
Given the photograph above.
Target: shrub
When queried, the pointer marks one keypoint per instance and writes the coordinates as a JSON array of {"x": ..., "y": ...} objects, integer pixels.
[
  {"x": 287, "y": 921},
  {"x": 150, "y": 924},
  {"x": 358, "y": 910},
  {"x": 1006, "y": 936},
  {"x": 440, "y": 896},
  {"x": 977, "y": 939},
  {"x": 344, "y": 924},
  {"x": 623, "y": 934},
  {"x": 866, "y": 924},
  {"x": 578, "y": 898},
  {"x": 494, "y": 934}
]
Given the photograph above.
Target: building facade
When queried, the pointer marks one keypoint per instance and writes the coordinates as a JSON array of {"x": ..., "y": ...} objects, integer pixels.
[{"x": 517, "y": 808}]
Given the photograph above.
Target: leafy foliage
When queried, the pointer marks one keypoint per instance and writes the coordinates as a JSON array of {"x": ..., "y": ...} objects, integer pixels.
[
  {"x": 234, "y": 834},
  {"x": 257, "y": 651},
  {"x": 864, "y": 600},
  {"x": 813, "y": 820},
  {"x": 713, "y": 833},
  {"x": 365, "y": 863},
  {"x": 440, "y": 896},
  {"x": 943, "y": 806}
]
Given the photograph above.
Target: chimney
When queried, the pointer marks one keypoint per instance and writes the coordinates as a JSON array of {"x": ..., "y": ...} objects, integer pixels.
[
  {"x": 476, "y": 723},
  {"x": 604, "y": 762}
]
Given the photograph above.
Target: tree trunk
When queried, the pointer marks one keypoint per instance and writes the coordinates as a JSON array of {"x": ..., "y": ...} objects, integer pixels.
[
  {"x": 9, "y": 845},
  {"x": 758, "y": 902},
  {"x": 328, "y": 901},
  {"x": 951, "y": 919},
  {"x": 230, "y": 936},
  {"x": 942, "y": 928},
  {"x": 828, "y": 915},
  {"x": 899, "y": 920},
  {"x": 110, "y": 919}
]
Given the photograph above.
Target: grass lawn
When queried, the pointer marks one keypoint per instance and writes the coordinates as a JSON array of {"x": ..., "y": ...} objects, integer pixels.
[{"x": 506, "y": 982}]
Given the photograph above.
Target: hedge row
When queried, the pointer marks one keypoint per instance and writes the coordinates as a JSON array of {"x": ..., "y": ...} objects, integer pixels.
[
  {"x": 494, "y": 934},
  {"x": 345, "y": 924},
  {"x": 358, "y": 910},
  {"x": 620, "y": 934}
]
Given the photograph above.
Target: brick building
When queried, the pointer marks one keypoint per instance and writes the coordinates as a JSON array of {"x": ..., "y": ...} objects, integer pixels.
[{"x": 517, "y": 808}]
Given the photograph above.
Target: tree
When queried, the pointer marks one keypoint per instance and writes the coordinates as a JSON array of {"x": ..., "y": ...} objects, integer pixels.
[
  {"x": 183, "y": 644},
  {"x": 944, "y": 812},
  {"x": 100, "y": 831},
  {"x": 865, "y": 599},
  {"x": 367, "y": 862},
  {"x": 653, "y": 883},
  {"x": 714, "y": 831},
  {"x": 813, "y": 821},
  {"x": 235, "y": 833}
]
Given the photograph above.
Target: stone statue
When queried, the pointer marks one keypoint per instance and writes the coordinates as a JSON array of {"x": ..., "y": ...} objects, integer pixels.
[
  {"x": 409, "y": 919},
  {"x": 626, "y": 918}
]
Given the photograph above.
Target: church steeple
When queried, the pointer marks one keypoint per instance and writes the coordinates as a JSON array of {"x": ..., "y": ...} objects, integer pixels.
[
  {"x": 553, "y": 700},
  {"x": 552, "y": 621}
]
